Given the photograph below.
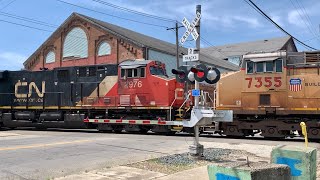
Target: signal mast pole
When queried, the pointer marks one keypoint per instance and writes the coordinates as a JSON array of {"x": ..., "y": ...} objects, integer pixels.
[
  {"x": 196, "y": 84},
  {"x": 197, "y": 146}
]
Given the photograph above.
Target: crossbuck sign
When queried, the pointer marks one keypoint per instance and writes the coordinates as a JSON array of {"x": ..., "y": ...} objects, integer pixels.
[{"x": 190, "y": 28}]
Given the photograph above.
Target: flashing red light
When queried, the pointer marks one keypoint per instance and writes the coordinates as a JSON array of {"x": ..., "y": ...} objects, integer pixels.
[{"x": 200, "y": 74}]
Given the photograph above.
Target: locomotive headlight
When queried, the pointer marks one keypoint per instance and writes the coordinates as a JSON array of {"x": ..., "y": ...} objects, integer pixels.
[
  {"x": 191, "y": 76},
  {"x": 211, "y": 75}
]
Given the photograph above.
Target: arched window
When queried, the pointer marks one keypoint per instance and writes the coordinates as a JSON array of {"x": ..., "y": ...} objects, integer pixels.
[
  {"x": 104, "y": 49},
  {"x": 50, "y": 57},
  {"x": 75, "y": 44}
]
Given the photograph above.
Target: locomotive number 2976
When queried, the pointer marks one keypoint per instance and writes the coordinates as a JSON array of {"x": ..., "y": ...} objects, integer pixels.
[
  {"x": 264, "y": 81},
  {"x": 133, "y": 84}
]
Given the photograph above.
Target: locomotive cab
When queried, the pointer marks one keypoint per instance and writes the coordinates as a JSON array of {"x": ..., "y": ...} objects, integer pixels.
[
  {"x": 144, "y": 83},
  {"x": 261, "y": 84}
]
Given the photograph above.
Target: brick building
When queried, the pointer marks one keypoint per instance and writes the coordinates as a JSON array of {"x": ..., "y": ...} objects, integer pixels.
[{"x": 82, "y": 40}]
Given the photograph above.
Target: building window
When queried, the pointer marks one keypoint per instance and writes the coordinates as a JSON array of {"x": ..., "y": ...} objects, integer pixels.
[
  {"x": 249, "y": 67},
  {"x": 278, "y": 63},
  {"x": 234, "y": 60},
  {"x": 104, "y": 49},
  {"x": 75, "y": 44},
  {"x": 264, "y": 99},
  {"x": 51, "y": 57},
  {"x": 260, "y": 67},
  {"x": 269, "y": 66}
]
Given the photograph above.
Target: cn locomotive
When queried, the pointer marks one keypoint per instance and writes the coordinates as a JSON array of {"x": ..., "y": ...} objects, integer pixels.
[{"x": 64, "y": 97}]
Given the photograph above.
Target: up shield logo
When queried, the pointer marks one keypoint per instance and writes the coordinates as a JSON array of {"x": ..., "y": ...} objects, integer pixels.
[
  {"x": 32, "y": 88},
  {"x": 295, "y": 84}
]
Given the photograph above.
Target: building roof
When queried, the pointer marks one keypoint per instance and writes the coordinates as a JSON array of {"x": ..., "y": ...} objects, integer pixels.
[
  {"x": 138, "y": 39},
  {"x": 156, "y": 44},
  {"x": 238, "y": 49}
]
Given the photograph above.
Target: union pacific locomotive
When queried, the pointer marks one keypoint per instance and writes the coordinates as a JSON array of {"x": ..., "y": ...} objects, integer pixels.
[
  {"x": 272, "y": 94},
  {"x": 65, "y": 96}
]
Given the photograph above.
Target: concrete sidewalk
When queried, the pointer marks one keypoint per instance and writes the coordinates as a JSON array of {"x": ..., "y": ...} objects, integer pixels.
[
  {"x": 191, "y": 174},
  {"x": 125, "y": 173}
]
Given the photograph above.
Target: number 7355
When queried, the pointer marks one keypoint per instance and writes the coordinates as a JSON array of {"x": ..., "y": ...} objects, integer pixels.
[{"x": 264, "y": 81}]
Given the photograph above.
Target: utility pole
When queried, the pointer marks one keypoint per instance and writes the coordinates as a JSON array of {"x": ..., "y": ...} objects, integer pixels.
[
  {"x": 176, "y": 28},
  {"x": 177, "y": 43}
]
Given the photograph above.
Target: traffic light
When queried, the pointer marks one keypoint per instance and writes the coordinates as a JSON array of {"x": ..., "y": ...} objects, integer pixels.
[{"x": 198, "y": 73}]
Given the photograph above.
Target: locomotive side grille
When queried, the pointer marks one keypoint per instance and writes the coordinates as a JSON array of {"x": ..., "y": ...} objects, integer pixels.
[
  {"x": 82, "y": 71},
  {"x": 125, "y": 100},
  {"x": 92, "y": 71},
  {"x": 63, "y": 76},
  {"x": 312, "y": 57}
]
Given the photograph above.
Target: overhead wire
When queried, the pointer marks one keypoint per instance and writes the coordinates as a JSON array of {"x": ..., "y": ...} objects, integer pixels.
[
  {"x": 305, "y": 12},
  {"x": 134, "y": 11},
  {"x": 256, "y": 8},
  {"x": 100, "y": 12},
  {"x": 304, "y": 19},
  {"x": 31, "y": 20},
  {"x": 5, "y": 6},
  {"x": 31, "y": 27}
]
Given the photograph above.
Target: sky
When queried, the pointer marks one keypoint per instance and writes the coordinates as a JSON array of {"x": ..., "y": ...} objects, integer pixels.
[{"x": 222, "y": 21}]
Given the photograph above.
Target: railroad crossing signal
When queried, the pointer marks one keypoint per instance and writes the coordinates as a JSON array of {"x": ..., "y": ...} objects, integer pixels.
[
  {"x": 190, "y": 28},
  {"x": 197, "y": 73}
]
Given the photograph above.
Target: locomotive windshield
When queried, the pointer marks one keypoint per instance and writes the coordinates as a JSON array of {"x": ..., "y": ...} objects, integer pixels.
[{"x": 157, "y": 71}]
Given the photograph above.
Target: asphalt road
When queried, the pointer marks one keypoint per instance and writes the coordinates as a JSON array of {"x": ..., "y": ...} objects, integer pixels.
[{"x": 27, "y": 154}]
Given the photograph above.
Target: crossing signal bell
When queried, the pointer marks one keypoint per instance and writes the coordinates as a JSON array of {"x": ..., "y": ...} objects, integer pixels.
[{"x": 198, "y": 73}]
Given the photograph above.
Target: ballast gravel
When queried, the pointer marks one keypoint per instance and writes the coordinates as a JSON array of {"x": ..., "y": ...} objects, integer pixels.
[
  {"x": 178, "y": 162},
  {"x": 210, "y": 154}
]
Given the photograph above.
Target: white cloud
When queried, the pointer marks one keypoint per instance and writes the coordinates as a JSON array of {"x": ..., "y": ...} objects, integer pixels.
[
  {"x": 277, "y": 19},
  {"x": 232, "y": 21},
  {"x": 253, "y": 22},
  {"x": 11, "y": 61},
  {"x": 294, "y": 18}
]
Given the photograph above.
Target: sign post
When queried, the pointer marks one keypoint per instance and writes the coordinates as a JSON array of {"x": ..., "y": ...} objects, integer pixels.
[
  {"x": 197, "y": 148},
  {"x": 193, "y": 28}
]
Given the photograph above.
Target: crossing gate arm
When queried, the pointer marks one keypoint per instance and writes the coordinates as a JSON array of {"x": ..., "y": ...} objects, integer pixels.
[
  {"x": 134, "y": 121},
  {"x": 199, "y": 117}
]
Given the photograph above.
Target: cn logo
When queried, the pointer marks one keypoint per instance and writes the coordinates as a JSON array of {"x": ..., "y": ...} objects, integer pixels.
[{"x": 31, "y": 86}]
